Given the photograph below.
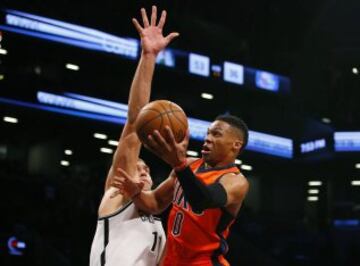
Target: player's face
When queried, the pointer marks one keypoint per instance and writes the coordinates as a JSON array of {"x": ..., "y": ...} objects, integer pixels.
[
  {"x": 219, "y": 143},
  {"x": 143, "y": 172}
]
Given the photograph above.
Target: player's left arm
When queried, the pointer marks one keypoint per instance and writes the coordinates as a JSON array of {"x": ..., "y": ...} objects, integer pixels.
[
  {"x": 229, "y": 192},
  {"x": 236, "y": 187}
]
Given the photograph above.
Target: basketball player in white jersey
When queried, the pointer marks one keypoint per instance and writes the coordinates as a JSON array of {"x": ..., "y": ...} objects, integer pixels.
[{"x": 124, "y": 235}]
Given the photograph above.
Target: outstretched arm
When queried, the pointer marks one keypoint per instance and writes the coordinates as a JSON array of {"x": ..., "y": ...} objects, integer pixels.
[{"x": 152, "y": 42}]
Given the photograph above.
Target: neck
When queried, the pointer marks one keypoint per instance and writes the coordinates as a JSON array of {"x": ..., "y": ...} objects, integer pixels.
[{"x": 218, "y": 164}]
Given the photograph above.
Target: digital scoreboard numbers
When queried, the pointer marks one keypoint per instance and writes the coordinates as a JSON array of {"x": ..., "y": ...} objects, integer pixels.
[
  {"x": 315, "y": 148},
  {"x": 311, "y": 146},
  {"x": 233, "y": 73},
  {"x": 199, "y": 65},
  {"x": 88, "y": 38}
]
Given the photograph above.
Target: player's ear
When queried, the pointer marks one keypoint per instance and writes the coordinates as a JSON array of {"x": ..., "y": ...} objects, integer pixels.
[{"x": 237, "y": 145}]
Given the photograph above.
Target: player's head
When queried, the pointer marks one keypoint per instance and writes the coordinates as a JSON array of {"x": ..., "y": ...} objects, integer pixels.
[
  {"x": 227, "y": 136},
  {"x": 143, "y": 172}
]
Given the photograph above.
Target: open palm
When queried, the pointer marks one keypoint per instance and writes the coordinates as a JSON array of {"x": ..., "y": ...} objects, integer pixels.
[{"x": 152, "y": 39}]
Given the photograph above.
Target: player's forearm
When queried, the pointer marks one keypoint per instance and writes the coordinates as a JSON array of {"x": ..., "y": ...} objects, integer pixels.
[
  {"x": 149, "y": 203},
  {"x": 128, "y": 149},
  {"x": 125, "y": 157},
  {"x": 141, "y": 85},
  {"x": 199, "y": 195}
]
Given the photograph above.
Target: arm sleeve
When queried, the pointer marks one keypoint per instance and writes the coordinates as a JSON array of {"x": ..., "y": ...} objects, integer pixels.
[{"x": 199, "y": 195}]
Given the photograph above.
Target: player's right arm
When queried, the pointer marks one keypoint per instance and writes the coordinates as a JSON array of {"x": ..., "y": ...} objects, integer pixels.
[
  {"x": 152, "y": 202},
  {"x": 156, "y": 201},
  {"x": 152, "y": 42}
]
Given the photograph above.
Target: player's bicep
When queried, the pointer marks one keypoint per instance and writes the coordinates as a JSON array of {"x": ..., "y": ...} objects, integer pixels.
[
  {"x": 236, "y": 187},
  {"x": 126, "y": 155}
]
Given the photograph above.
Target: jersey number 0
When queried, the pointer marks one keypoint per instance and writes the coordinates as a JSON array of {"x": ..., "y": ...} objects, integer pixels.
[{"x": 179, "y": 218}]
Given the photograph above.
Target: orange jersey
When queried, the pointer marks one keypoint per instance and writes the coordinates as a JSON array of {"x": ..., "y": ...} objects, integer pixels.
[{"x": 198, "y": 238}]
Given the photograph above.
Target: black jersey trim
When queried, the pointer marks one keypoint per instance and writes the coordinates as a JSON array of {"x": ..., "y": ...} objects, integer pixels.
[
  {"x": 225, "y": 220},
  {"x": 106, "y": 241},
  {"x": 204, "y": 169},
  {"x": 123, "y": 208}
]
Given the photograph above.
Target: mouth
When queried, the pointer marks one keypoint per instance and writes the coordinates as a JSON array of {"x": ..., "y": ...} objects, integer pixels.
[
  {"x": 205, "y": 150},
  {"x": 145, "y": 180}
]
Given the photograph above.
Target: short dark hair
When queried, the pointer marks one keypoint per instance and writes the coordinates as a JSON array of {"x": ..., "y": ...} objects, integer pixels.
[{"x": 239, "y": 124}]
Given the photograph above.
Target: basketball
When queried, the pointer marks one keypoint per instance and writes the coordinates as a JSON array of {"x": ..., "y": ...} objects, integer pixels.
[{"x": 157, "y": 115}]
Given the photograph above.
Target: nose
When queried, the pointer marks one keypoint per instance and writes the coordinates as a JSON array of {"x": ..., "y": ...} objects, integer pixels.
[
  {"x": 143, "y": 172},
  {"x": 208, "y": 139}
]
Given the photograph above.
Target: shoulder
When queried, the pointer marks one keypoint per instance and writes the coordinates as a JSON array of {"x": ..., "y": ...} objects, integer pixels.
[
  {"x": 237, "y": 181},
  {"x": 111, "y": 201}
]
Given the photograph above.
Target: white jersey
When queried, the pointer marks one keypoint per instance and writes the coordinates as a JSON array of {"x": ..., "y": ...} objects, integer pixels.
[{"x": 127, "y": 238}]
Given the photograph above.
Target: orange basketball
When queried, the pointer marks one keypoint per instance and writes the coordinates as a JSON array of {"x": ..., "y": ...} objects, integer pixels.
[{"x": 157, "y": 115}]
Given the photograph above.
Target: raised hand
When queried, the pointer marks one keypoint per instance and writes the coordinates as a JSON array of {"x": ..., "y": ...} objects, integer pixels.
[
  {"x": 151, "y": 34},
  {"x": 167, "y": 148},
  {"x": 126, "y": 184}
]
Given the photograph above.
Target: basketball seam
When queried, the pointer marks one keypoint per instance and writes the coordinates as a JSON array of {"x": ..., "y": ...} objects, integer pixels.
[
  {"x": 161, "y": 114},
  {"x": 174, "y": 111},
  {"x": 149, "y": 121},
  {"x": 168, "y": 116}
]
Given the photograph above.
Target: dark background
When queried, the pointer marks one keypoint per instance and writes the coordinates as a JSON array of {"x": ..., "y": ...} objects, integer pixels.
[{"x": 315, "y": 43}]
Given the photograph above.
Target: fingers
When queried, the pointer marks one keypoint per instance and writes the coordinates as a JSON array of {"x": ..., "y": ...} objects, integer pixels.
[
  {"x": 158, "y": 137},
  {"x": 171, "y": 36},
  {"x": 187, "y": 137},
  {"x": 119, "y": 179},
  {"x": 144, "y": 18},
  {"x": 123, "y": 173},
  {"x": 170, "y": 135},
  {"x": 137, "y": 25},
  {"x": 118, "y": 184},
  {"x": 159, "y": 141},
  {"x": 147, "y": 146},
  {"x": 153, "y": 16},
  {"x": 152, "y": 145},
  {"x": 141, "y": 185},
  {"x": 156, "y": 142},
  {"x": 162, "y": 20}
]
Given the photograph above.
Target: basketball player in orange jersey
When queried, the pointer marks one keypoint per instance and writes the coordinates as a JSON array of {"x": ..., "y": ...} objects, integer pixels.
[
  {"x": 206, "y": 194},
  {"x": 119, "y": 220}
]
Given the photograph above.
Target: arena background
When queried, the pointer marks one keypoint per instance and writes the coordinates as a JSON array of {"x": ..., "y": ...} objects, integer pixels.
[{"x": 289, "y": 68}]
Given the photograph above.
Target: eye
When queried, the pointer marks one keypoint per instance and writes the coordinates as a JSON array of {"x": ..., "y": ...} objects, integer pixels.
[{"x": 217, "y": 133}]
